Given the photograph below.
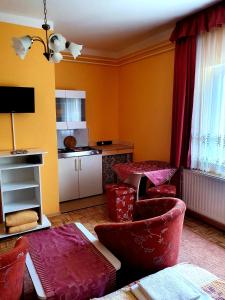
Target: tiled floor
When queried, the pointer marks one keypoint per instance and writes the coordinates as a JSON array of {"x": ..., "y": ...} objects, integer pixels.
[{"x": 89, "y": 217}]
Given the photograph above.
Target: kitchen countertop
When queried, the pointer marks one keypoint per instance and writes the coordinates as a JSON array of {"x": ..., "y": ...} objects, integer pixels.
[{"x": 115, "y": 149}]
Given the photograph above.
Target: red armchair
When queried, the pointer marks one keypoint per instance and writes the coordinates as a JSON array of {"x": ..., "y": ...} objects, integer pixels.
[
  {"x": 12, "y": 266},
  {"x": 151, "y": 242}
]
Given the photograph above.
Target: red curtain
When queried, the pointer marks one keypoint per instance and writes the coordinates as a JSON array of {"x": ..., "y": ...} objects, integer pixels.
[
  {"x": 185, "y": 35},
  {"x": 213, "y": 16},
  {"x": 183, "y": 88}
]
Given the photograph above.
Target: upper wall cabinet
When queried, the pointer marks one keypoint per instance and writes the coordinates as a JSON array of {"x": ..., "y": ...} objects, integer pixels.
[{"x": 70, "y": 109}]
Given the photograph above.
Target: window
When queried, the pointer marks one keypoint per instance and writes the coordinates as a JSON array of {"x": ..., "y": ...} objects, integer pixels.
[{"x": 208, "y": 119}]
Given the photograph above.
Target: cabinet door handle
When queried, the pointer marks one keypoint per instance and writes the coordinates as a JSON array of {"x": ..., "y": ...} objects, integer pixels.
[
  {"x": 80, "y": 165},
  {"x": 76, "y": 165}
]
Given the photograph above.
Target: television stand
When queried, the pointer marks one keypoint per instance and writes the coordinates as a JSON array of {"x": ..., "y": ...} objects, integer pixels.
[
  {"x": 15, "y": 151},
  {"x": 19, "y": 151}
]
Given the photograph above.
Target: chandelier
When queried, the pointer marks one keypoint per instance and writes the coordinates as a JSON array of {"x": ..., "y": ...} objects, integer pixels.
[{"x": 54, "y": 44}]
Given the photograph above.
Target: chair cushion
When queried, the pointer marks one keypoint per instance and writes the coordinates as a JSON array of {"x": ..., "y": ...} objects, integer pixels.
[{"x": 164, "y": 190}]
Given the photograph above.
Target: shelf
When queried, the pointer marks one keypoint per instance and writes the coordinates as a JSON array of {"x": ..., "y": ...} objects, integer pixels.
[
  {"x": 8, "y": 187},
  {"x": 18, "y": 206},
  {"x": 30, "y": 152},
  {"x": 20, "y": 187},
  {"x": 45, "y": 224},
  {"x": 18, "y": 166}
]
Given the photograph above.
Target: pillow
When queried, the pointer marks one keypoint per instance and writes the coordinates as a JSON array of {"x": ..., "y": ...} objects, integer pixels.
[
  {"x": 21, "y": 217},
  {"x": 24, "y": 227}
]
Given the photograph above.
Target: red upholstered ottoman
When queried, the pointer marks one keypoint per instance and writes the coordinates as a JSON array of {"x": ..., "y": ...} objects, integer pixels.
[
  {"x": 120, "y": 201},
  {"x": 164, "y": 190}
]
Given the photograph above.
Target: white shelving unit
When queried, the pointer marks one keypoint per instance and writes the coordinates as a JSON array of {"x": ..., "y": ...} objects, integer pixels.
[{"x": 20, "y": 186}]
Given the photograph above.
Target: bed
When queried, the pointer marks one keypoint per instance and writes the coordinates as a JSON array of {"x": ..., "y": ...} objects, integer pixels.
[{"x": 213, "y": 286}]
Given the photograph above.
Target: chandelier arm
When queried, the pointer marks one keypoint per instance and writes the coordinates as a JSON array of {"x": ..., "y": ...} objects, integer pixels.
[
  {"x": 36, "y": 38},
  {"x": 46, "y": 37},
  {"x": 39, "y": 39}
]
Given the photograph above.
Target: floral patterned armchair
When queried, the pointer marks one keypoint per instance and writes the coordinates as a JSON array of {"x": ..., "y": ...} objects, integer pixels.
[
  {"x": 12, "y": 266},
  {"x": 151, "y": 242}
]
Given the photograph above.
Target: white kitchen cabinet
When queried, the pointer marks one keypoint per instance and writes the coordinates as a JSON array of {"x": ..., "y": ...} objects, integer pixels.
[
  {"x": 73, "y": 94},
  {"x": 75, "y": 125},
  {"x": 90, "y": 175},
  {"x": 70, "y": 94},
  {"x": 61, "y": 126},
  {"x": 68, "y": 179},
  {"x": 60, "y": 94},
  {"x": 70, "y": 109},
  {"x": 80, "y": 177}
]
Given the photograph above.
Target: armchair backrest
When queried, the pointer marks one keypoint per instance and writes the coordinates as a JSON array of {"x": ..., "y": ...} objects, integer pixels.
[
  {"x": 146, "y": 209},
  {"x": 12, "y": 266},
  {"x": 152, "y": 242}
]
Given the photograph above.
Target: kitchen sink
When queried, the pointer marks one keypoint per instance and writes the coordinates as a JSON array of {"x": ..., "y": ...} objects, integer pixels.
[{"x": 77, "y": 151}]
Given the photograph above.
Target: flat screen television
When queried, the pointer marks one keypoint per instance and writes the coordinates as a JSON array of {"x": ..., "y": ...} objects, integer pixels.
[{"x": 17, "y": 99}]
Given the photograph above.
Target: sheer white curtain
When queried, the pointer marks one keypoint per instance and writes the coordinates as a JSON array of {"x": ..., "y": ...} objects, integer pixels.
[
  {"x": 208, "y": 119},
  {"x": 73, "y": 109}
]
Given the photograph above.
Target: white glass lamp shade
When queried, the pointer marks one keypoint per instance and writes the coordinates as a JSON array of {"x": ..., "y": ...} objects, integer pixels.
[
  {"x": 22, "y": 45},
  {"x": 56, "y": 57},
  {"x": 56, "y": 42},
  {"x": 75, "y": 49}
]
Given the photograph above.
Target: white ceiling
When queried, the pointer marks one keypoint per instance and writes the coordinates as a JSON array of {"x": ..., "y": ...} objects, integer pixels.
[{"x": 106, "y": 25}]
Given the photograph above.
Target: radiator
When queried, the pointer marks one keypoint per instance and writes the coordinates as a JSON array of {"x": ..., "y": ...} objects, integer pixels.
[{"x": 204, "y": 194}]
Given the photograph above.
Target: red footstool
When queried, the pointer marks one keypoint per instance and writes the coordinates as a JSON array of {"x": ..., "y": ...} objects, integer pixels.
[
  {"x": 164, "y": 190},
  {"x": 120, "y": 201}
]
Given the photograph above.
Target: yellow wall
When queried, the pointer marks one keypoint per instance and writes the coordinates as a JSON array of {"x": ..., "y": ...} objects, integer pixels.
[
  {"x": 101, "y": 86},
  {"x": 145, "y": 106},
  {"x": 32, "y": 130},
  {"x": 131, "y": 103}
]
